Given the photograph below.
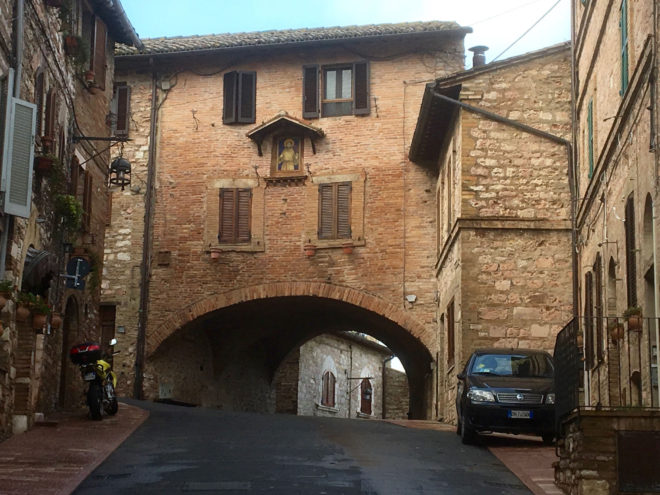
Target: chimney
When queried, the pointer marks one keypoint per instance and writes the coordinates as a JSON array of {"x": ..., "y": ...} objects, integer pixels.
[{"x": 479, "y": 57}]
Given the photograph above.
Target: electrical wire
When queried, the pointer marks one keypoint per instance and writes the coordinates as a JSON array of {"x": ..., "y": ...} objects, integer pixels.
[{"x": 528, "y": 30}]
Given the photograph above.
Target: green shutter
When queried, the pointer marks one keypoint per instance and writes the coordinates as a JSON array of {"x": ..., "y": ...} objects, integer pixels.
[
  {"x": 623, "y": 27},
  {"x": 20, "y": 128},
  {"x": 590, "y": 137}
]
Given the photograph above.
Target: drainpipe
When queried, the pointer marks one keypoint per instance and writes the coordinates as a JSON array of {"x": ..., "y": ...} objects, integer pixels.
[
  {"x": 656, "y": 282},
  {"x": 550, "y": 137},
  {"x": 382, "y": 387},
  {"x": 145, "y": 271}
]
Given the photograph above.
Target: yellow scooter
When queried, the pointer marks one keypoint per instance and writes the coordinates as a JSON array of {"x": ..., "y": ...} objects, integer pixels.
[{"x": 100, "y": 377}]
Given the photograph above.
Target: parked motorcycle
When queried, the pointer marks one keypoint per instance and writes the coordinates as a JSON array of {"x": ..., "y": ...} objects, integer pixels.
[{"x": 100, "y": 378}]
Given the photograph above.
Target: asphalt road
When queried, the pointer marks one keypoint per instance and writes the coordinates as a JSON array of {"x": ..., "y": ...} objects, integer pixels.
[{"x": 194, "y": 450}]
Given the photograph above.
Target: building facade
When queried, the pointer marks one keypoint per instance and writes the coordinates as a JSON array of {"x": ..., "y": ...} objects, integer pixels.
[
  {"x": 613, "y": 414},
  {"x": 56, "y": 69},
  {"x": 280, "y": 204},
  {"x": 496, "y": 137}
]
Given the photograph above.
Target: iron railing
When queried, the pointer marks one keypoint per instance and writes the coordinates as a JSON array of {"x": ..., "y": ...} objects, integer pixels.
[{"x": 606, "y": 363}]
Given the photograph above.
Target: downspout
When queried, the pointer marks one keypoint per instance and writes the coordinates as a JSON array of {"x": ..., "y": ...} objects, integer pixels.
[
  {"x": 16, "y": 91},
  {"x": 544, "y": 135},
  {"x": 385, "y": 361},
  {"x": 654, "y": 109},
  {"x": 146, "y": 244}
]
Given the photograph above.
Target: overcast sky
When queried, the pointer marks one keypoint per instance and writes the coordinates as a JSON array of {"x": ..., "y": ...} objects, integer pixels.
[{"x": 496, "y": 23}]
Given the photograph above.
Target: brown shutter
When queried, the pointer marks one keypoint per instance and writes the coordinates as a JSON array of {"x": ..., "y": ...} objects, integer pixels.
[
  {"x": 310, "y": 91},
  {"x": 39, "y": 101},
  {"x": 87, "y": 202},
  {"x": 51, "y": 103},
  {"x": 244, "y": 207},
  {"x": 123, "y": 96},
  {"x": 326, "y": 211},
  {"x": 227, "y": 215},
  {"x": 229, "y": 91},
  {"x": 100, "y": 40},
  {"x": 361, "y": 88},
  {"x": 450, "y": 333},
  {"x": 631, "y": 264},
  {"x": 344, "y": 210},
  {"x": 598, "y": 298},
  {"x": 247, "y": 95},
  {"x": 588, "y": 320}
]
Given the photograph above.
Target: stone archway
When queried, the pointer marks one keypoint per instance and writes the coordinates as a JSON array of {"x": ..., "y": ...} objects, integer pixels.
[{"x": 271, "y": 320}]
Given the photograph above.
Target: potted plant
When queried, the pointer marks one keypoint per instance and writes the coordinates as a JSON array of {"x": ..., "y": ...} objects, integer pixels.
[
  {"x": 25, "y": 301},
  {"x": 44, "y": 163},
  {"x": 6, "y": 290},
  {"x": 55, "y": 320},
  {"x": 310, "y": 249},
  {"x": 615, "y": 329},
  {"x": 40, "y": 312},
  {"x": 347, "y": 247},
  {"x": 634, "y": 317},
  {"x": 70, "y": 211}
]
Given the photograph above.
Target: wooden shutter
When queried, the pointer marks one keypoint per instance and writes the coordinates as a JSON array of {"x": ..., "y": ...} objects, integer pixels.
[
  {"x": 87, "y": 201},
  {"x": 39, "y": 87},
  {"x": 450, "y": 333},
  {"x": 631, "y": 263},
  {"x": 235, "y": 215},
  {"x": 365, "y": 404},
  {"x": 310, "y": 91},
  {"x": 123, "y": 97},
  {"x": 51, "y": 104},
  {"x": 100, "y": 40},
  {"x": 344, "y": 210},
  {"x": 230, "y": 83},
  {"x": 326, "y": 211},
  {"x": 588, "y": 320},
  {"x": 244, "y": 209},
  {"x": 598, "y": 299},
  {"x": 361, "y": 88},
  {"x": 18, "y": 154},
  {"x": 247, "y": 95},
  {"x": 590, "y": 137},
  {"x": 623, "y": 28}
]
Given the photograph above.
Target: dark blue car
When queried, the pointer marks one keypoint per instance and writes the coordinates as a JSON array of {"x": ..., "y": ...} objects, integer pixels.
[{"x": 506, "y": 391}]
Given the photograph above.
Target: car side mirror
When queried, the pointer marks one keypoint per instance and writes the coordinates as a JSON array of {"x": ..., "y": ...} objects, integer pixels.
[{"x": 460, "y": 376}]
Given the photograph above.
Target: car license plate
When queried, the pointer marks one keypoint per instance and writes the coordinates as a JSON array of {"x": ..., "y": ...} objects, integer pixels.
[
  {"x": 88, "y": 377},
  {"x": 520, "y": 414}
]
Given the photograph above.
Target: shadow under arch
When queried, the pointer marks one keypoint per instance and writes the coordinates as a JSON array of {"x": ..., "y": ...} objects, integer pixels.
[{"x": 276, "y": 318}]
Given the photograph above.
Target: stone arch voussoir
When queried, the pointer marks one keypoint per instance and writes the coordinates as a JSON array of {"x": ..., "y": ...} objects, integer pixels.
[{"x": 281, "y": 289}]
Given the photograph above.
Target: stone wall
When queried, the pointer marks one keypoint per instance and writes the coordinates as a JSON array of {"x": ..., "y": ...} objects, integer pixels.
[
  {"x": 395, "y": 403},
  {"x": 590, "y": 452}
]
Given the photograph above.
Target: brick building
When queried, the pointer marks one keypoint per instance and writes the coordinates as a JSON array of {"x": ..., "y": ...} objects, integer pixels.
[
  {"x": 496, "y": 138},
  {"x": 611, "y": 419},
  {"x": 343, "y": 375},
  {"x": 56, "y": 71},
  {"x": 272, "y": 171}
]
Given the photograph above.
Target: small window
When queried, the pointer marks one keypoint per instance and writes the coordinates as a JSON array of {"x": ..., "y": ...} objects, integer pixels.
[
  {"x": 235, "y": 214},
  {"x": 366, "y": 396},
  {"x": 344, "y": 90},
  {"x": 240, "y": 96},
  {"x": 335, "y": 211},
  {"x": 120, "y": 109},
  {"x": 328, "y": 397}
]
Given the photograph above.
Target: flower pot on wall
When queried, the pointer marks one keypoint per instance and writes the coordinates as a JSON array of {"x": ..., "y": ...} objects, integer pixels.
[
  {"x": 347, "y": 247},
  {"x": 22, "y": 313},
  {"x": 215, "y": 255},
  {"x": 616, "y": 332},
  {"x": 634, "y": 322},
  {"x": 38, "y": 321},
  {"x": 43, "y": 163},
  {"x": 310, "y": 249},
  {"x": 55, "y": 321}
]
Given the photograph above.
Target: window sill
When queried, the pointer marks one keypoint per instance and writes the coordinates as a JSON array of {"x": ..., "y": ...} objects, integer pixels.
[
  {"x": 256, "y": 246},
  {"x": 337, "y": 243},
  {"x": 329, "y": 409}
]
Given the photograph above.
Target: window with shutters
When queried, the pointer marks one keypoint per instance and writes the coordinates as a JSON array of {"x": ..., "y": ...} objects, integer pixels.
[
  {"x": 328, "y": 389},
  {"x": 87, "y": 201},
  {"x": 94, "y": 32},
  {"x": 235, "y": 215},
  {"x": 120, "y": 109},
  {"x": 240, "y": 97},
  {"x": 335, "y": 211},
  {"x": 599, "y": 309},
  {"x": 589, "y": 319},
  {"x": 336, "y": 90}
]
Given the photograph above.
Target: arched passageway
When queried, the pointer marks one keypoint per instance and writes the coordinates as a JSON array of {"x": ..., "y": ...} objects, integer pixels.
[{"x": 228, "y": 357}]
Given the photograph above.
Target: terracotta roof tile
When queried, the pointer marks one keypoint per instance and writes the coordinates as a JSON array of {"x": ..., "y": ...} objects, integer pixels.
[{"x": 259, "y": 38}]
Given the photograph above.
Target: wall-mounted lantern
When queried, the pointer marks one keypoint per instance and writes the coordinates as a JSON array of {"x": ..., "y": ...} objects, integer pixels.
[{"x": 120, "y": 172}]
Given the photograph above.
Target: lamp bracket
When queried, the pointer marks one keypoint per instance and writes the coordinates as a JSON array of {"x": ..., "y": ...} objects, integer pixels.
[{"x": 115, "y": 139}]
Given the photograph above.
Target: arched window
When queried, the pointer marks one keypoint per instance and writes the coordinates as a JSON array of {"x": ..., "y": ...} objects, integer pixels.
[{"x": 328, "y": 397}]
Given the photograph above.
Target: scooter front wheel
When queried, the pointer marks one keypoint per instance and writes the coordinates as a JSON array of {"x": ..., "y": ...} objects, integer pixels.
[{"x": 95, "y": 400}]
